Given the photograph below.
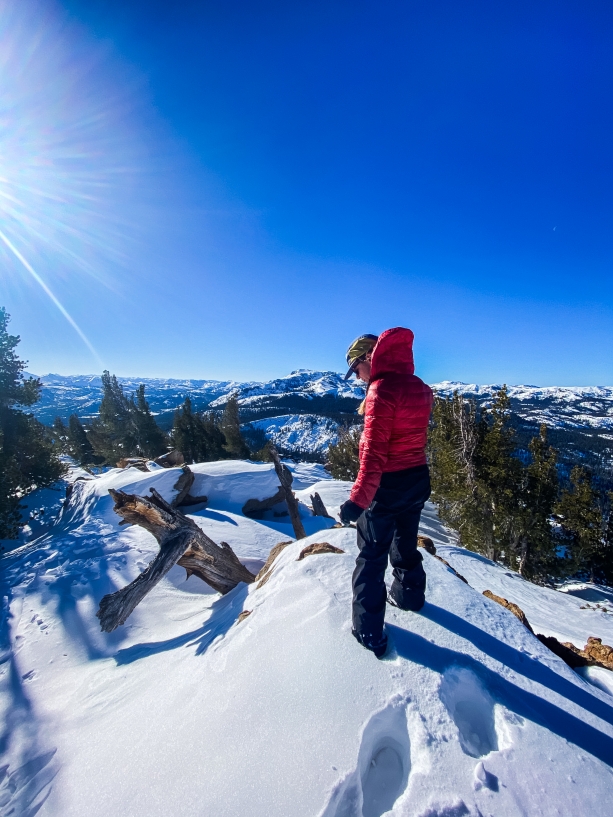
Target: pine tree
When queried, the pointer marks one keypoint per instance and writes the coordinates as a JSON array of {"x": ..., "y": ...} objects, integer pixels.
[
  {"x": 79, "y": 444},
  {"x": 498, "y": 474},
  {"x": 605, "y": 556},
  {"x": 236, "y": 446},
  {"x": 113, "y": 434},
  {"x": 60, "y": 435},
  {"x": 451, "y": 446},
  {"x": 538, "y": 493},
  {"x": 150, "y": 439},
  {"x": 343, "y": 456},
  {"x": 27, "y": 456},
  {"x": 581, "y": 518},
  {"x": 198, "y": 438}
]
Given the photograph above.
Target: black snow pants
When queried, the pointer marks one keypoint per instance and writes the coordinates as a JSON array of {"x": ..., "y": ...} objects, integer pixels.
[{"x": 389, "y": 526}]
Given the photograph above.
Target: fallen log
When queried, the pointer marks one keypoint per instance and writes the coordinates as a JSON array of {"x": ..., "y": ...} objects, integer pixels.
[
  {"x": 181, "y": 541},
  {"x": 286, "y": 478}
]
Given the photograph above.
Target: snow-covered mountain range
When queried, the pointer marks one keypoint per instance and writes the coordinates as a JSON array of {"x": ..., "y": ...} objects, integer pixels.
[
  {"x": 319, "y": 393},
  {"x": 304, "y": 410},
  {"x": 63, "y": 395}
]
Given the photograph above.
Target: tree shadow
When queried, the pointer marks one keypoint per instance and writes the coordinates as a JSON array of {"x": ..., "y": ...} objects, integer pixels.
[
  {"x": 526, "y": 665},
  {"x": 534, "y": 708},
  {"x": 216, "y": 516},
  {"x": 224, "y": 612}
]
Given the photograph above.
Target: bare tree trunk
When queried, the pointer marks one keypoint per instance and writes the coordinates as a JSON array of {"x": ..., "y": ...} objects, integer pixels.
[
  {"x": 286, "y": 478},
  {"x": 319, "y": 509},
  {"x": 180, "y": 540},
  {"x": 525, "y": 550}
]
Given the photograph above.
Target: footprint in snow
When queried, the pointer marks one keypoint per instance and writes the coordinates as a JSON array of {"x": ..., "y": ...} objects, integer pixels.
[
  {"x": 472, "y": 711},
  {"x": 382, "y": 770}
]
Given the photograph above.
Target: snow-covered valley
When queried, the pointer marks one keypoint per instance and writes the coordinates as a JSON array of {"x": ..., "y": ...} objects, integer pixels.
[{"x": 187, "y": 710}]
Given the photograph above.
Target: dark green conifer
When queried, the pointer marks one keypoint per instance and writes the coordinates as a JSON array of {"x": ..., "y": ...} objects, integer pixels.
[
  {"x": 79, "y": 445},
  {"x": 236, "y": 446},
  {"x": 581, "y": 519},
  {"x": 343, "y": 456},
  {"x": 150, "y": 439},
  {"x": 28, "y": 459},
  {"x": 535, "y": 537},
  {"x": 198, "y": 438},
  {"x": 60, "y": 435}
]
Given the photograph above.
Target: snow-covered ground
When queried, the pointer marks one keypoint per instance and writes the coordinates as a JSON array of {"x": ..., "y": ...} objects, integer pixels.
[{"x": 185, "y": 711}]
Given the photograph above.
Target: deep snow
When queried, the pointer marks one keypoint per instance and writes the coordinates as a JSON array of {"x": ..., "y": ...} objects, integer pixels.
[{"x": 185, "y": 711}]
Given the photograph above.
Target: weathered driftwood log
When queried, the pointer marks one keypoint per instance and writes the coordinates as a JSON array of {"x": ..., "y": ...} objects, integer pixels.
[
  {"x": 286, "y": 478},
  {"x": 139, "y": 463},
  {"x": 319, "y": 509},
  {"x": 184, "y": 485},
  {"x": 180, "y": 540}
]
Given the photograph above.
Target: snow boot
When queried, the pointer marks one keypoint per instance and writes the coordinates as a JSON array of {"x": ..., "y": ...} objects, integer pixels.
[
  {"x": 407, "y": 598},
  {"x": 376, "y": 644}
]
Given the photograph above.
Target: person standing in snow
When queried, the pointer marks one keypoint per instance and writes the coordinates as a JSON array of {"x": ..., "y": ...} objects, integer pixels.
[{"x": 393, "y": 482}]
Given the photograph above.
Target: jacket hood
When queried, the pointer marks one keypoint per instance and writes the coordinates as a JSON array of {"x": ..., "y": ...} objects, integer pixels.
[{"x": 393, "y": 353}]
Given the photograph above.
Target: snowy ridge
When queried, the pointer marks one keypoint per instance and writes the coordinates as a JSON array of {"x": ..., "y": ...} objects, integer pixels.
[
  {"x": 64, "y": 395},
  {"x": 589, "y": 407},
  {"x": 556, "y": 406},
  {"x": 468, "y": 714},
  {"x": 299, "y": 432}
]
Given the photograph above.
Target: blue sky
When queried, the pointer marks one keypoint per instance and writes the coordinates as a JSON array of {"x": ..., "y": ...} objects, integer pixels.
[{"x": 272, "y": 179}]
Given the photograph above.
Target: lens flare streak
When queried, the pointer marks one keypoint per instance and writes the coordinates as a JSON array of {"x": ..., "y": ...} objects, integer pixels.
[{"x": 50, "y": 294}]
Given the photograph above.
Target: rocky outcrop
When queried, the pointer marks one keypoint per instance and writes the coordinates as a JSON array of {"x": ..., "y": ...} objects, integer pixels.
[
  {"x": 594, "y": 654},
  {"x": 316, "y": 548},
  {"x": 266, "y": 572},
  {"x": 426, "y": 543},
  {"x": 517, "y": 611}
]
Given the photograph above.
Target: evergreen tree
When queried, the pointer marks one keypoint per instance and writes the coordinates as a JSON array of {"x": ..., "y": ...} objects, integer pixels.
[
  {"x": 198, "y": 438},
  {"x": 113, "y": 434},
  {"x": 539, "y": 490},
  {"x": 236, "y": 446},
  {"x": 27, "y": 457},
  {"x": 604, "y": 566},
  {"x": 60, "y": 435},
  {"x": 452, "y": 441},
  {"x": 150, "y": 439},
  {"x": 581, "y": 518},
  {"x": 498, "y": 476},
  {"x": 343, "y": 456},
  {"x": 79, "y": 444}
]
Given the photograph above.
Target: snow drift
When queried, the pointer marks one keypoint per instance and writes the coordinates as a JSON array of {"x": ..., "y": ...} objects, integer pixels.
[{"x": 185, "y": 710}]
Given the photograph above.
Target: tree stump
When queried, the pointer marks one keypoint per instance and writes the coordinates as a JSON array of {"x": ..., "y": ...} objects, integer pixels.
[
  {"x": 181, "y": 541},
  {"x": 319, "y": 509}
]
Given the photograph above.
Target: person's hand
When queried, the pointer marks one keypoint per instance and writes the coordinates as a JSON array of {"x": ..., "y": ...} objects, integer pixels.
[{"x": 350, "y": 512}]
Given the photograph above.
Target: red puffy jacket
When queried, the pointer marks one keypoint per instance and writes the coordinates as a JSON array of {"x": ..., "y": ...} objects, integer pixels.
[{"x": 397, "y": 412}]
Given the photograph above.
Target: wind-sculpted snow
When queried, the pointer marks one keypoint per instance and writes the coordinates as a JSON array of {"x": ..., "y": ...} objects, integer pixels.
[{"x": 185, "y": 710}]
